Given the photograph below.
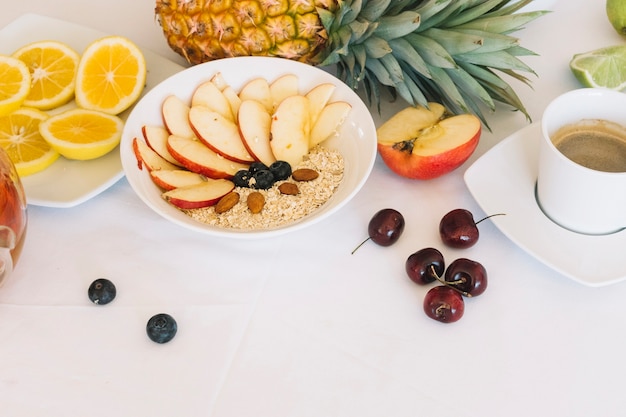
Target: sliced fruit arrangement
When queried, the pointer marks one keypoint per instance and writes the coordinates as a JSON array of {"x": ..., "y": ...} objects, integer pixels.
[
  {"x": 105, "y": 80},
  {"x": 221, "y": 132}
]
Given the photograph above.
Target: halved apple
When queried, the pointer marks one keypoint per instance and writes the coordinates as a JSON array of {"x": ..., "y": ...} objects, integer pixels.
[
  {"x": 219, "y": 134},
  {"x": 329, "y": 121},
  {"x": 283, "y": 87},
  {"x": 176, "y": 178},
  {"x": 421, "y": 143},
  {"x": 198, "y": 158},
  {"x": 176, "y": 117},
  {"x": 319, "y": 96},
  {"x": 208, "y": 95},
  {"x": 149, "y": 158},
  {"x": 156, "y": 138},
  {"x": 201, "y": 195},
  {"x": 257, "y": 89},
  {"x": 290, "y": 130},
  {"x": 254, "y": 126}
]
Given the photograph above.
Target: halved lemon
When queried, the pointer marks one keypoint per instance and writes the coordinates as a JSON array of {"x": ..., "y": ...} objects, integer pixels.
[
  {"x": 111, "y": 75},
  {"x": 82, "y": 134},
  {"x": 19, "y": 136},
  {"x": 52, "y": 67},
  {"x": 14, "y": 84}
]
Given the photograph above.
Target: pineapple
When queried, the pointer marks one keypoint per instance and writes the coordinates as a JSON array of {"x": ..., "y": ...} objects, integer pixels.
[{"x": 444, "y": 51}]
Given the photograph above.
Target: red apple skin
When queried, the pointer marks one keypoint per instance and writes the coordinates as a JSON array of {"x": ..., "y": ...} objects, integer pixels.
[
  {"x": 425, "y": 167},
  {"x": 200, "y": 195}
]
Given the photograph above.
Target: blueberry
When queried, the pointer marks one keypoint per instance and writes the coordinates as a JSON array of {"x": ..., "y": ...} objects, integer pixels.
[
  {"x": 241, "y": 178},
  {"x": 281, "y": 170},
  {"x": 256, "y": 167},
  {"x": 262, "y": 180},
  {"x": 101, "y": 291},
  {"x": 161, "y": 328}
]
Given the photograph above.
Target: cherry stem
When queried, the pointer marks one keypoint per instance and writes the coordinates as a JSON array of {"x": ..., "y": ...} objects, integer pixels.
[
  {"x": 360, "y": 244},
  {"x": 490, "y": 216},
  {"x": 451, "y": 284}
]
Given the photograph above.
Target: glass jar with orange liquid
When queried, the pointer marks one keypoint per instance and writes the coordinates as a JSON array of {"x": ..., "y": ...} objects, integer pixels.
[{"x": 13, "y": 216}]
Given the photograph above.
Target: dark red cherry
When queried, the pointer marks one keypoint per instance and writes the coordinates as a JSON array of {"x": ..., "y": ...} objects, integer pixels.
[
  {"x": 385, "y": 228},
  {"x": 425, "y": 265},
  {"x": 444, "y": 304},
  {"x": 458, "y": 229},
  {"x": 467, "y": 276}
]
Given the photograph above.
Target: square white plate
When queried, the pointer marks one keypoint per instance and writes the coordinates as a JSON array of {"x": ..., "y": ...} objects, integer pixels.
[
  {"x": 68, "y": 183},
  {"x": 503, "y": 181}
]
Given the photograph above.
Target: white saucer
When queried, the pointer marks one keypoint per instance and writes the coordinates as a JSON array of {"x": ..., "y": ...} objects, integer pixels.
[{"x": 503, "y": 181}]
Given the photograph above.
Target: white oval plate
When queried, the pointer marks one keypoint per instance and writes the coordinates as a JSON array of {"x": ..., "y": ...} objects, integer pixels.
[
  {"x": 67, "y": 183},
  {"x": 356, "y": 140},
  {"x": 503, "y": 181}
]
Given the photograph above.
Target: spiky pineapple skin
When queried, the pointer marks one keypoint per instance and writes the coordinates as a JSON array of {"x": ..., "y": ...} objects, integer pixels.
[
  {"x": 446, "y": 51},
  {"x": 205, "y": 30}
]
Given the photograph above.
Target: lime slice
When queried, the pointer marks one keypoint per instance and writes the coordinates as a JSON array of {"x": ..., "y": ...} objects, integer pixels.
[{"x": 604, "y": 67}]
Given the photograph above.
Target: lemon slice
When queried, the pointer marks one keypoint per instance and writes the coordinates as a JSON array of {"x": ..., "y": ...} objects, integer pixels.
[
  {"x": 111, "y": 75},
  {"x": 14, "y": 84},
  {"x": 82, "y": 134},
  {"x": 604, "y": 67},
  {"x": 52, "y": 67},
  {"x": 19, "y": 136}
]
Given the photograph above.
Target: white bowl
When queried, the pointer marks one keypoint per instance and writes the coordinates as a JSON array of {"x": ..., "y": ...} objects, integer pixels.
[{"x": 356, "y": 140}]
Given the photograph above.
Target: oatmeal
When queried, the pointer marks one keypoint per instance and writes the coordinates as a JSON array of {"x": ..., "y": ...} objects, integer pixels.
[{"x": 280, "y": 209}]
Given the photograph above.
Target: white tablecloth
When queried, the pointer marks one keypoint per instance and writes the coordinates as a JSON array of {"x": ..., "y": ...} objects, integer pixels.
[{"x": 295, "y": 325}]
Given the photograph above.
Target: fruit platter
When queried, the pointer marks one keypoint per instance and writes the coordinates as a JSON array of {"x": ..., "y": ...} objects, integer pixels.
[{"x": 168, "y": 108}]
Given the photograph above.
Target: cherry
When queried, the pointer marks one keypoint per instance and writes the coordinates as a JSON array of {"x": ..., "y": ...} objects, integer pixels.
[
  {"x": 458, "y": 228},
  {"x": 467, "y": 276},
  {"x": 384, "y": 228},
  {"x": 425, "y": 266},
  {"x": 444, "y": 304}
]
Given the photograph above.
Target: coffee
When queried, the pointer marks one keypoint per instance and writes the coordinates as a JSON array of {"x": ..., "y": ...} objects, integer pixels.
[{"x": 595, "y": 144}]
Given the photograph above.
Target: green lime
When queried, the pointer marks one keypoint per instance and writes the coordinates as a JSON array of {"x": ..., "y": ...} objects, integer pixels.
[
  {"x": 616, "y": 12},
  {"x": 604, "y": 67}
]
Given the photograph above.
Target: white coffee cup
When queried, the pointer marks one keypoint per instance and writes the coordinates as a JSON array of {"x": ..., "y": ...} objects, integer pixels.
[{"x": 578, "y": 198}]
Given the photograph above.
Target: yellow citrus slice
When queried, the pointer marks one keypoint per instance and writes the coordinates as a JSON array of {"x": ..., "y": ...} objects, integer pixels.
[
  {"x": 19, "y": 136},
  {"x": 82, "y": 134},
  {"x": 52, "y": 67},
  {"x": 14, "y": 84},
  {"x": 111, "y": 75}
]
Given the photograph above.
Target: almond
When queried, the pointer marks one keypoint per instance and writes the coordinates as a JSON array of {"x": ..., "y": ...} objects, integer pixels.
[
  {"x": 304, "y": 174},
  {"x": 227, "y": 202},
  {"x": 288, "y": 188},
  {"x": 255, "y": 202}
]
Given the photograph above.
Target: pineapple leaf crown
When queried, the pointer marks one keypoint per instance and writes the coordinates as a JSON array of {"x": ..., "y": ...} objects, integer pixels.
[{"x": 448, "y": 51}]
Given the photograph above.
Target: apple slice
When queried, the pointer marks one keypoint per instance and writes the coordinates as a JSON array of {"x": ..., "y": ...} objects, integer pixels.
[
  {"x": 198, "y": 158},
  {"x": 283, "y": 87},
  {"x": 156, "y": 138},
  {"x": 149, "y": 158},
  {"x": 413, "y": 148},
  {"x": 176, "y": 117},
  {"x": 233, "y": 99},
  {"x": 291, "y": 126},
  {"x": 219, "y": 81},
  {"x": 319, "y": 96},
  {"x": 219, "y": 134},
  {"x": 257, "y": 89},
  {"x": 208, "y": 95},
  {"x": 329, "y": 121},
  {"x": 255, "y": 127},
  {"x": 176, "y": 178},
  {"x": 201, "y": 195},
  {"x": 409, "y": 123}
]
